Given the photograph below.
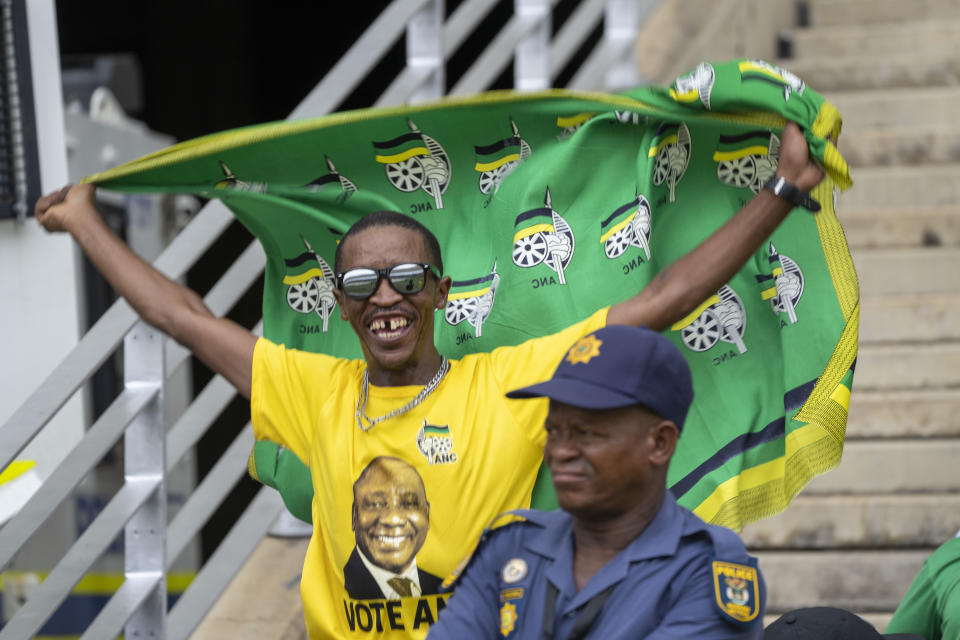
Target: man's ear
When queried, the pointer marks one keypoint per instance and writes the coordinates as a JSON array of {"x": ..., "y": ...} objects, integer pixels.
[
  {"x": 663, "y": 442},
  {"x": 443, "y": 289},
  {"x": 339, "y": 296}
]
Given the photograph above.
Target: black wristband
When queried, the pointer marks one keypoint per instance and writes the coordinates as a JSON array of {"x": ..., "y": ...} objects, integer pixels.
[{"x": 783, "y": 189}]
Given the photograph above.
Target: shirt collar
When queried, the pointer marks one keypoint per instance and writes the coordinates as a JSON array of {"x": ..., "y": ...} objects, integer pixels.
[
  {"x": 660, "y": 539},
  {"x": 382, "y": 575}
]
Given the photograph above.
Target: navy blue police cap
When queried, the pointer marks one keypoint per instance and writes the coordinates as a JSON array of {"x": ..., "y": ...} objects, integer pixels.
[
  {"x": 618, "y": 366},
  {"x": 827, "y": 623}
]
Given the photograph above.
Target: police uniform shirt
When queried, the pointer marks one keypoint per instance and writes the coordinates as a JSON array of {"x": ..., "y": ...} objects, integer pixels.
[
  {"x": 671, "y": 582},
  {"x": 476, "y": 452}
]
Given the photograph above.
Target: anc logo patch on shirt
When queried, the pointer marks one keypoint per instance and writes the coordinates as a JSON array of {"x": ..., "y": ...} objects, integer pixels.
[{"x": 736, "y": 588}]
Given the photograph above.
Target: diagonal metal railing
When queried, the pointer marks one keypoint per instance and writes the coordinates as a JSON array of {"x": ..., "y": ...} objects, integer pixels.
[{"x": 138, "y": 509}]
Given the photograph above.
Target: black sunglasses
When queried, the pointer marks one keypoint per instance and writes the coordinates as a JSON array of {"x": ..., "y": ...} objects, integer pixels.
[{"x": 407, "y": 278}]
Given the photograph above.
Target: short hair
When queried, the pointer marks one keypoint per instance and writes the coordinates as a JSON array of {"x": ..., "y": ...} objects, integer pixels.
[
  {"x": 379, "y": 463},
  {"x": 391, "y": 219}
]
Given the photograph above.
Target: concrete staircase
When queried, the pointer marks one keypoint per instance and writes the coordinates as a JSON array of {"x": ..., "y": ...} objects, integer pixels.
[{"x": 856, "y": 536}]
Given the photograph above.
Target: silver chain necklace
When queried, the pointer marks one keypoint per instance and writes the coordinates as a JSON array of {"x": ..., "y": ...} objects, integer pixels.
[{"x": 361, "y": 411}]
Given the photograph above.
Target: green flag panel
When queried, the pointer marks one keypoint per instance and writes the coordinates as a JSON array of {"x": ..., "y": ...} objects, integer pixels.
[{"x": 550, "y": 205}]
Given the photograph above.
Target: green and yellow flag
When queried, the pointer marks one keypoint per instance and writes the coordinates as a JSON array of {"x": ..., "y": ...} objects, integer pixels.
[{"x": 550, "y": 205}]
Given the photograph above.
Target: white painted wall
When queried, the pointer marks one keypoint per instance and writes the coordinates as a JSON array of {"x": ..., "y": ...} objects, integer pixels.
[{"x": 40, "y": 315}]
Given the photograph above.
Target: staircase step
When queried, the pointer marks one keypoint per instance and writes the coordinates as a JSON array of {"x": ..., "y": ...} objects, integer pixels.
[
  {"x": 857, "y": 581},
  {"x": 841, "y": 12},
  {"x": 903, "y": 145},
  {"x": 918, "y": 413},
  {"x": 903, "y": 187},
  {"x": 928, "y": 270},
  {"x": 894, "y": 107},
  {"x": 915, "y": 36},
  {"x": 909, "y": 318},
  {"x": 893, "y": 466},
  {"x": 909, "y": 366},
  {"x": 263, "y": 600},
  {"x": 847, "y": 521},
  {"x": 900, "y": 227},
  {"x": 844, "y": 73}
]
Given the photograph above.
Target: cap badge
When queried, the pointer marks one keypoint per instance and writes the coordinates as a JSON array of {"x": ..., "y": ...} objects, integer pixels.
[
  {"x": 586, "y": 348},
  {"x": 515, "y": 570}
]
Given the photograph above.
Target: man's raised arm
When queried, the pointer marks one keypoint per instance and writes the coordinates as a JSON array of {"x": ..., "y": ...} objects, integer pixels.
[
  {"x": 681, "y": 286},
  {"x": 221, "y": 344}
]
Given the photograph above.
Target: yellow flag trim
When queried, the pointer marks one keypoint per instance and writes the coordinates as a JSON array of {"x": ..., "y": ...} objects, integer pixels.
[
  {"x": 490, "y": 166},
  {"x": 467, "y": 294},
  {"x": 572, "y": 121},
  {"x": 688, "y": 96},
  {"x": 400, "y": 157},
  {"x": 749, "y": 66},
  {"x": 529, "y": 231},
  {"x": 671, "y": 139},
  {"x": 612, "y": 230},
  {"x": 693, "y": 315},
  {"x": 303, "y": 277},
  {"x": 756, "y": 150}
]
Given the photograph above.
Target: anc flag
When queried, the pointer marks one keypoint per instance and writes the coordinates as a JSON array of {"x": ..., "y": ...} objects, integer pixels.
[
  {"x": 748, "y": 159},
  {"x": 629, "y": 224},
  {"x": 735, "y": 147},
  {"x": 759, "y": 71},
  {"x": 401, "y": 148},
  {"x": 617, "y": 186},
  {"x": 493, "y": 156},
  {"x": 472, "y": 300}
]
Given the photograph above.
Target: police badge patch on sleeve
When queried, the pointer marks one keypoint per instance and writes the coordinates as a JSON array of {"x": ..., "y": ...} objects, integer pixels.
[{"x": 737, "y": 591}]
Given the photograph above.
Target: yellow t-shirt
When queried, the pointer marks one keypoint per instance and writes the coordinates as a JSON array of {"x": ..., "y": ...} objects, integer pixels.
[{"x": 456, "y": 461}]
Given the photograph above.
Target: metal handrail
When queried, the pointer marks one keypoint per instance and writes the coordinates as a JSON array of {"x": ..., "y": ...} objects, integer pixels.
[
  {"x": 104, "y": 337},
  {"x": 525, "y": 37}
]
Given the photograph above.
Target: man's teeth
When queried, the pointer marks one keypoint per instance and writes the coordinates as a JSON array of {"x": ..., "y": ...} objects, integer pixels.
[
  {"x": 395, "y": 323},
  {"x": 393, "y": 541}
]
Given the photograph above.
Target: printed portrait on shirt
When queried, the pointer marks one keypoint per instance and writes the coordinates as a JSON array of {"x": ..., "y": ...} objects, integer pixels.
[{"x": 390, "y": 520}]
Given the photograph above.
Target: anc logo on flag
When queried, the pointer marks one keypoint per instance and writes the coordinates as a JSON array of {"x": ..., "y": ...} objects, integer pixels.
[
  {"x": 721, "y": 317},
  {"x": 628, "y": 225},
  {"x": 671, "y": 150},
  {"x": 472, "y": 300},
  {"x": 787, "y": 284},
  {"x": 436, "y": 444},
  {"x": 230, "y": 181},
  {"x": 542, "y": 236},
  {"x": 310, "y": 284},
  {"x": 748, "y": 159},
  {"x": 570, "y": 124},
  {"x": 347, "y": 187},
  {"x": 415, "y": 161},
  {"x": 698, "y": 84},
  {"x": 495, "y": 161},
  {"x": 760, "y": 71}
]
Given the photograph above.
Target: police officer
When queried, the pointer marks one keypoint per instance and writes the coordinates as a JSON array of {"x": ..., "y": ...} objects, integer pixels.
[{"x": 621, "y": 559}]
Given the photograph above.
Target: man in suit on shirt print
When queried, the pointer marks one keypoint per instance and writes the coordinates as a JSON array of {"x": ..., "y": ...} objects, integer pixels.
[{"x": 391, "y": 517}]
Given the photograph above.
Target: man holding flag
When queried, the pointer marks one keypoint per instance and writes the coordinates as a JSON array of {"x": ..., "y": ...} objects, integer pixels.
[{"x": 477, "y": 453}]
